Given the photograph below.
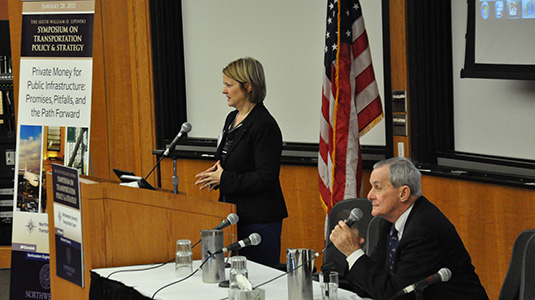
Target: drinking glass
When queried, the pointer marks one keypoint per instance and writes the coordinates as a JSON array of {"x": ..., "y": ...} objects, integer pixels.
[
  {"x": 183, "y": 258},
  {"x": 329, "y": 285},
  {"x": 238, "y": 266}
]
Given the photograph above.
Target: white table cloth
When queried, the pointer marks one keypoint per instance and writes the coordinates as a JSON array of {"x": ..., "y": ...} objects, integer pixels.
[{"x": 147, "y": 282}]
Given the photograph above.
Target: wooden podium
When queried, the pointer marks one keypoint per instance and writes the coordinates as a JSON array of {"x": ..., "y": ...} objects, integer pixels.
[{"x": 129, "y": 226}]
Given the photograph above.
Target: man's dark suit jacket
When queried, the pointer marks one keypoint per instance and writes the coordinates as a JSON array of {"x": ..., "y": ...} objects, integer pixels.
[
  {"x": 251, "y": 169},
  {"x": 429, "y": 242}
]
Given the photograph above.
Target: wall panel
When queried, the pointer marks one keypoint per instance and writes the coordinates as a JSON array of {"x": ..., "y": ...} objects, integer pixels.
[
  {"x": 98, "y": 145},
  {"x": 398, "y": 63},
  {"x": 488, "y": 218},
  {"x": 3, "y": 10},
  {"x": 122, "y": 113}
]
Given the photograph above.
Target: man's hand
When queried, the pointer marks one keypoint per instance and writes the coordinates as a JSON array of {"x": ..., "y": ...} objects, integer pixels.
[{"x": 346, "y": 239}]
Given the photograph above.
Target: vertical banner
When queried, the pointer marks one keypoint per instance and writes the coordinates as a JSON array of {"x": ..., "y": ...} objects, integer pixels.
[
  {"x": 68, "y": 224},
  {"x": 54, "y": 114}
]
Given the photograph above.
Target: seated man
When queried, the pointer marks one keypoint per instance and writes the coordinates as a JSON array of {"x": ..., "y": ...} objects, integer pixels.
[{"x": 415, "y": 241}]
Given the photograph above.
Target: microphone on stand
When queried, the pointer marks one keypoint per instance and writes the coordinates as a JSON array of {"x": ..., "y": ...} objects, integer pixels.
[
  {"x": 253, "y": 240},
  {"x": 185, "y": 128},
  {"x": 442, "y": 275},
  {"x": 231, "y": 219}
]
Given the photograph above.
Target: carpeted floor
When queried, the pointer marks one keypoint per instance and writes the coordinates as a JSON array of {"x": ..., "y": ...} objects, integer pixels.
[{"x": 4, "y": 284}]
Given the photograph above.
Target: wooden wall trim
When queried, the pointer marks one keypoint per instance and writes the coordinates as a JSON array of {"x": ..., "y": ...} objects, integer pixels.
[
  {"x": 398, "y": 44},
  {"x": 98, "y": 144},
  {"x": 14, "y": 12},
  {"x": 5, "y": 257},
  {"x": 398, "y": 62},
  {"x": 118, "y": 87},
  {"x": 123, "y": 80},
  {"x": 4, "y": 14},
  {"x": 141, "y": 63},
  {"x": 15, "y": 30}
]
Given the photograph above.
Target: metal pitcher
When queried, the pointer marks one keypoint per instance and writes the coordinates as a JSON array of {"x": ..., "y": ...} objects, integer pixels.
[
  {"x": 213, "y": 270},
  {"x": 300, "y": 265}
]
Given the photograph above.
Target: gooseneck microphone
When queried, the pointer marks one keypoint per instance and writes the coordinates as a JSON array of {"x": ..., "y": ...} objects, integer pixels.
[
  {"x": 185, "y": 128},
  {"x": 253, "y": 240},
  {"x": 231, "y": 219},
  {"x": 442, "y": 275}
]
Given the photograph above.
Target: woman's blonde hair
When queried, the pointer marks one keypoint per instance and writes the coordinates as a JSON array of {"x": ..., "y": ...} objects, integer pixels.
[{"x": 248, "y": 70}]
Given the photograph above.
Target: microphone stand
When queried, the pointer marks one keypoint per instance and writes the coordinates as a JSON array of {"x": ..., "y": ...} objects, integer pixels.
[
  {"x": 175, "y": 177},
  {"x": 419, "y": 294},
  {"x": 173, "y": 155}
]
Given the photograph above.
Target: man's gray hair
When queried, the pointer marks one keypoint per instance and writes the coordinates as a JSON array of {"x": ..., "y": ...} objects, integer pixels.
[{"x": 402, "y": 172}]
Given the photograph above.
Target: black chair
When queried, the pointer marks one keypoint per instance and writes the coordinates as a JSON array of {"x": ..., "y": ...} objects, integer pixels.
[
  {"x": 527, "y": 274},
  {"x": 373, "y": 235},
  {"x": 333, "y": 259},
  {"x": 512, "y": 283}
]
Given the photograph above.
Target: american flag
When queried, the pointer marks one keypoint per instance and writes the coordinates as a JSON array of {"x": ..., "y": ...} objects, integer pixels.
[{"x": 351, "y": 104}]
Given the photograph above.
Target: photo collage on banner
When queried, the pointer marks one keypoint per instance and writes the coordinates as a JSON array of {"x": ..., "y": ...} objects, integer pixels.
[{"x": 54, "y": 114}]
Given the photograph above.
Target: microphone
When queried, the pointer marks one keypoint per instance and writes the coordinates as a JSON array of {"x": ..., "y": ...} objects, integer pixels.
[
  {"x": 231, "y": 219},
  {"x": 354, "y": 216},
  {"x": 253, "y": 240},
  {"x": 185, "y": 128},
  {"x": 443, "y": 275}
]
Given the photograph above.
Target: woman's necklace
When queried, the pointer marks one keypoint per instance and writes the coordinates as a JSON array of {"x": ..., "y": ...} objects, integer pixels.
[
  {"x": 235, "y": 124},
  {"x": 240, "y": 117}
]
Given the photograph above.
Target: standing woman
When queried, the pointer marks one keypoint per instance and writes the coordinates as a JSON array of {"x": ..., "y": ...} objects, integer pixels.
[{"x": 248, "y": 161}]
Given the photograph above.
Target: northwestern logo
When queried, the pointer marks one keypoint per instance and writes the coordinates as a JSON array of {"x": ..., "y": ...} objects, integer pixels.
[
  {"x": 44, "y": 276},
  {"x": 30, "y": 226}
]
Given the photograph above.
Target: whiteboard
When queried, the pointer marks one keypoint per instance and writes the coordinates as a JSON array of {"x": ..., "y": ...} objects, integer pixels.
[
  {"x": 491, "y": 116},
  {"x": 287, "y": 37}
]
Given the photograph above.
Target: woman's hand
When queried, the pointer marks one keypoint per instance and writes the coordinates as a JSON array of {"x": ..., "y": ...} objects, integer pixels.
[{"x": 210, "y": 177}]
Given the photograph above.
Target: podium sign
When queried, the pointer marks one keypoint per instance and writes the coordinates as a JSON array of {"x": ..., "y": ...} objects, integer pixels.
[{"x": 68, "y": 224}]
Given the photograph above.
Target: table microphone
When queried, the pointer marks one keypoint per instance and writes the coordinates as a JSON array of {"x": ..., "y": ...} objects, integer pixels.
[
  {"x": 253, "y": 240},
  {"x": 442, "y": 275},
  {"x": 231, "y": 219}
]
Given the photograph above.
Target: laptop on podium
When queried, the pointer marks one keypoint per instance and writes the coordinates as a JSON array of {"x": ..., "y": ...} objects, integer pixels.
[{"x": 130, "y": 179}]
